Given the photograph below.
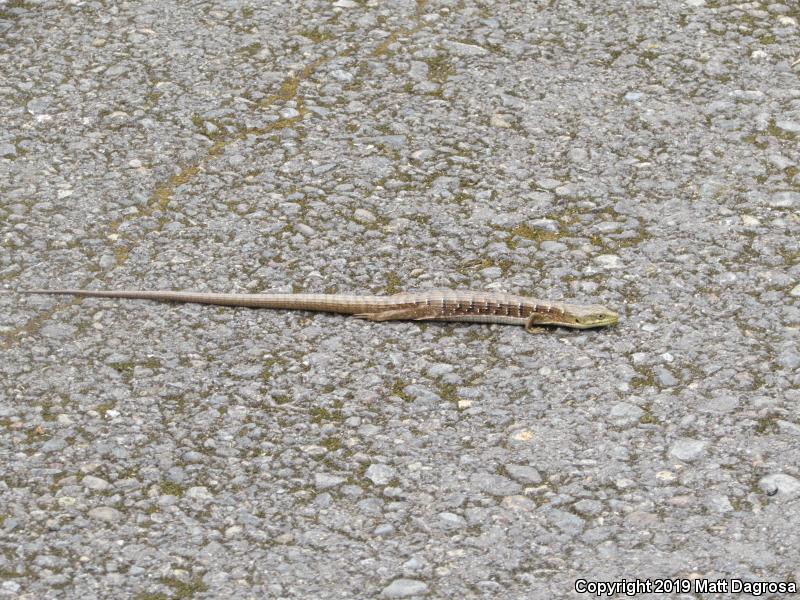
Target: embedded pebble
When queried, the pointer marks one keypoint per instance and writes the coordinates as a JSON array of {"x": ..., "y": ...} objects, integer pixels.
[
  {"x": 95, "y": 483},
  {"x": 609, "y": 261},
  {"x": 362, "y": 215},
  {"x": 403, "y": 588},
  {"x": 496, "y": 485},
  {"x": 450, "y": 520},
  {"x": 780, "y": 483},
  {"x": 687, "y": 449},
  {"x": 624, "y": 414},
  {"x": 523, "y": 473},
  {"x": 790, "y": 126},
  {"x": 105, "y": 513},
  {"x": 380, "y": 474},
  {"x": 199, "y": 493},
  {"x": 460, "y": 49},
  {"x": 324, "y": 481},
  {"x": 785, "y": 200}
]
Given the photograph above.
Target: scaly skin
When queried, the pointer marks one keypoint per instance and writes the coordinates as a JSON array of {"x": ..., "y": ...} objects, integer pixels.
[{"x": 439, "y": 305}]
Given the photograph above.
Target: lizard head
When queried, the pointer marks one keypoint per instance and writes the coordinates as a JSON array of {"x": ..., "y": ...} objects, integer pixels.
[{"x": 574, "y": 316}]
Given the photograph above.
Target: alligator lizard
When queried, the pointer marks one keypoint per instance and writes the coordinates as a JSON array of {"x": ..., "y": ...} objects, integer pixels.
[{"x": 440, "y": 305}]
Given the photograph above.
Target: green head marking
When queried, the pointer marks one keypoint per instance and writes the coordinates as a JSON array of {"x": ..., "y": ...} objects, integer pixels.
[{"x": 574, "y": 316}]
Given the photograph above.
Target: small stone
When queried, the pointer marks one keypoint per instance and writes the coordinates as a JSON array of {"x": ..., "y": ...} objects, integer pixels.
[
  {"x": 192, "y": 457},
  {"x": 553, "y": 247},
  {"x": 362, "y": 215},
  {"x": 324, "y": 168},
  {"x": 666, "y": 476},
  {"x": 790, "y": 126},
  {"x": 588, "y": 507},
  {"x": 492, "y": 273},
  {"x": 175, "y": 474},
  {"x": 342, "y": 76},
  {"x": 565, "y": 521},
  {"x": 464, "y": 50},
  {"x": 687, "y": 449},
  {"x": 625, "y": 413},
  {"x": 681, "y": 501},
  {"x": 345, "y": 4},
  {"x": 414, "y": 564},
  {"x": 7, "y": 150},
  {"x": 721, "y": 403},
  {"x": 95, "y": 483},
  {"x": 524, "y": 474},
  {"x": 665, "y": 378},
  {"x": 107, "y": 261},
  {"x": 795, "y": 291},
  {"x": 522, "y": 435},
  {"x": 789, "y": 358},
  {"x": 518, "y": 502},
  {"x": 633, "y": 96},
  {"x": 198, "y": 493},
  {"x": 548, "y": 184},
  {"x": 545, "y": 225},
  {"x": 105, "y": 513},
  {"x": 780, "y": 483},
  {"x": 499, "y": 120},
  {"x": 609, "y": 261},
  {"x": 380, "y": 474},
  {"x": 750, "y": 221},
  {"x": 568, "y": 189},
  {"x": 53, "y": 445},
  {"x": 418, "y": 70},
  {"x": 38, "y": 105},
  {"x": 323, "y": 481},
  {"x": 233, "y": 531},
  {"x": 642, "y": 519},
  {"x": 58, "y": 331},
  {"x": 720, "y": 504},
  {"x": 439, "y": 369},
  {"x": 403, "y": 588},
  {"x": 419, "y": 393},
  {"x": 384, "y": 529},
  {"x": 450, "y": 520},
  {"x": 423, "y": 155},
  {"x": 495, "y": 485},
  {"x": 785, "y": 200},
  {"x": 789, "y": 427}
]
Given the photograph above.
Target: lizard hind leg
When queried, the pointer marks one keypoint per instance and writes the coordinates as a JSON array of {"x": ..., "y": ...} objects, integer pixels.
[
  {"x": 533, "y": 325},
  {"x": 413, "y": 313}
]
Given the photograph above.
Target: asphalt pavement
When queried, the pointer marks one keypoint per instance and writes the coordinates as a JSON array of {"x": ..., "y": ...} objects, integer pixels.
[{"x": 643, "y": 155}]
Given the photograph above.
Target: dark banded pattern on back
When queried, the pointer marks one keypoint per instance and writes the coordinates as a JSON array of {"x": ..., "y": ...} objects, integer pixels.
[{"x": 441, "y": 305}]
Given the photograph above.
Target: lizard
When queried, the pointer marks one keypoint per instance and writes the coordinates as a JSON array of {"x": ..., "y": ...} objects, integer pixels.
[{"x": 435, "y": 305}]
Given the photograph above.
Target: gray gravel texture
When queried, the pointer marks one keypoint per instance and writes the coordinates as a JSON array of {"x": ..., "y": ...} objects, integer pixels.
[{"x": 643, "y": 155}]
